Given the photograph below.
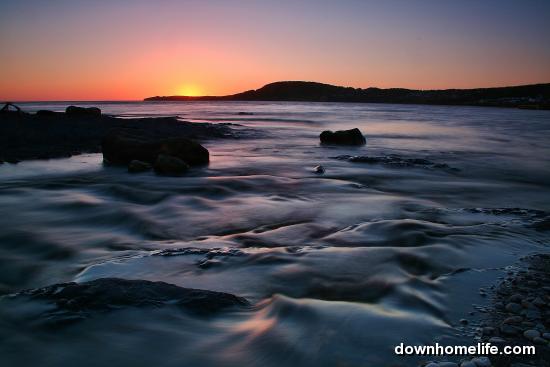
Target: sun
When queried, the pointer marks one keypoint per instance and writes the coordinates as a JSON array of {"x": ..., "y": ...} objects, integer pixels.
[{"x": 189, "y": 90}]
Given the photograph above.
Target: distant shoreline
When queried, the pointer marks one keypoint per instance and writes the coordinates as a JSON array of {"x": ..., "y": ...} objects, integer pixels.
[{"x": 534, "y": 96}]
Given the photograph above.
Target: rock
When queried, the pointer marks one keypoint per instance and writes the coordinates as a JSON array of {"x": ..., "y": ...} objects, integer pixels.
[
  {"x": 463, "y": 321},
  {"x": 513, "y": 320},
  {"x": 540, "y": 341},
  {"x": 25, "y": 136},
  {"x": 74, "y": 111},
  {"x": 531, "y": 334},
  {"x": 45, "y": 113},
  {"x": 123, "y": 146},
  {"x": 108, "y": 294},
  {"x": 496, "y": 340},
  {"x": 517, "y": 298},
  {"x": 546, "y": 336},
  {"x": 507, "y": 329},
  {"x": 9, "y": 107},
  {"x": 187, "y": 150},
  {"x": 319, "y": 169},
  {"x": 513, "y": 307},
  {"x": 447, "y": 364},
  {"x": 487, "y": 330},
  {"x": 170, "y": 166},
  {"x": 527, "y": 324},
  {"x": 532, "y": 314},
  {"x": 136, "y": 166},
  {"x": 527, "y": 304},
  {"x": 343, "y": 137},
  {"x": 539, "y": 302},
  {"x": 432, "y": 364},
  {"x": 468, "y": 364},
  {"x": 394, "y": 160},
  {"x": 482, "y": 361}
]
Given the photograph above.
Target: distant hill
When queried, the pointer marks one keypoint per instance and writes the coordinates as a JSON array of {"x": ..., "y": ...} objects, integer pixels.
[{"x": 524, "y": 96}]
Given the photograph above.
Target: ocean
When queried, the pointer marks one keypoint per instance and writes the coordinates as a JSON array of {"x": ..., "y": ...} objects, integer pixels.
[{"x": 339, "y": 267}]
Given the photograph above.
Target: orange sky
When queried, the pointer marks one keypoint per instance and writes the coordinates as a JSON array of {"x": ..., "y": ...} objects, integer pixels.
[{"x": 126, "y": 50}]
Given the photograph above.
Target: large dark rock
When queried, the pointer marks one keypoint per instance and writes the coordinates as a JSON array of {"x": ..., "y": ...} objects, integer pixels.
[
  {"x": 187, "y": 150},
  {"x": 45, "y": 113},
  {"x": 113, "y": 293},
  {"x": 343, "y": 137},
  {"x": 74, "y": 111},
  {"x": 124, "y": 146},
  {"x": 10, "y": 108},
  {"x": 170, "y": 166},
  {"x": 136, "y": 166}
]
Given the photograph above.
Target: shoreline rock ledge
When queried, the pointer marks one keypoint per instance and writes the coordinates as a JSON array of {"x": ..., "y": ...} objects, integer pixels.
[
  {"x": 343, "y": 137},
  {"x": 122, "y": 147}
]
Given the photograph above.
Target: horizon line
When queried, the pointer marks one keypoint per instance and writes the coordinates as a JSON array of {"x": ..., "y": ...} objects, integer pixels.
[{"x": 2, "y": 100}]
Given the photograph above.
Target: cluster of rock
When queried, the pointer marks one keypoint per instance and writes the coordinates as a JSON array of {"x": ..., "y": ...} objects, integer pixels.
[
  {"x": 171, "y": 156},
  {"x": 48, "y": 134},
  {"x": 521, "y": 314}
]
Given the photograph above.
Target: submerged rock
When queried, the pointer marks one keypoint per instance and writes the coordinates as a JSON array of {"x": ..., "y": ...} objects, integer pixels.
[
  {"x": 395, "y": 160},
  {"x": 171, "y": 166},
  {"x": 136, "y": 166},
  {"x": 124, "y": 146},
  {"x": 74, "y": 111},
  {"x": 106, "y": 294},
  {"x": 319, "y": 169},
  {"x": 343, "y": 137}
]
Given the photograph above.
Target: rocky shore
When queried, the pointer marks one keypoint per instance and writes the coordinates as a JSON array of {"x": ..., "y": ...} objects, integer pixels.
[
  {"x": 520, "y": 312},
  {"x": 518, "y": 316},
  {"x": 48, "y": 134}
]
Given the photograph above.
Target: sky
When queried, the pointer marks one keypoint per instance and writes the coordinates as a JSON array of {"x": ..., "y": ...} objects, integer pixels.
[{"x": 132, "y": 49}]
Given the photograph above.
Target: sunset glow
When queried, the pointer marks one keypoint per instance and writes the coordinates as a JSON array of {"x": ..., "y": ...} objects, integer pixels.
[
  {"x": 84, "y": 50},
  {"x": 189, "y": 90}
]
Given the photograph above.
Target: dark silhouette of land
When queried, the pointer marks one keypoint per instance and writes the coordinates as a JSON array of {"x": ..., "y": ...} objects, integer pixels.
[{"x": 536, "y": 96}]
